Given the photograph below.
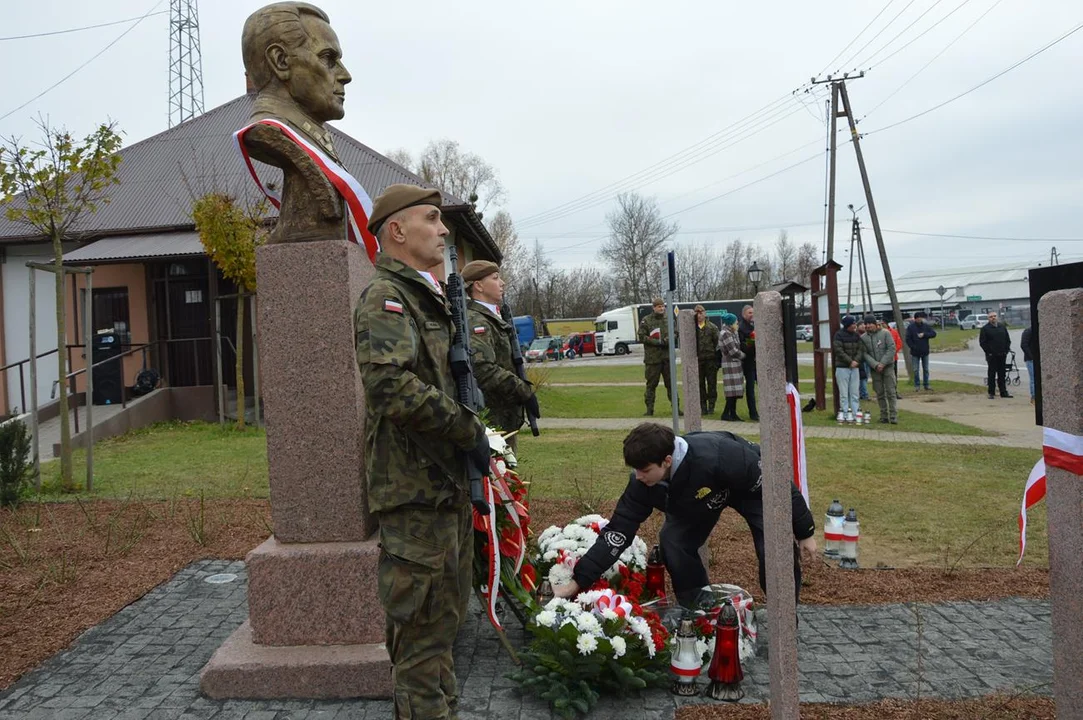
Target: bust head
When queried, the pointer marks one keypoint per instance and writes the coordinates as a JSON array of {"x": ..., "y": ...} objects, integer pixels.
[{"x": 292, "y": 56}]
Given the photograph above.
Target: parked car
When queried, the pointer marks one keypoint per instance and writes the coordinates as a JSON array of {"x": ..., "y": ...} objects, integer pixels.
[
  {"x": 544, "y": 348},
  {"x": 804, "y": 332},
  {"x": 579, "y": 344},
  {"x": 972, "y": 322}
]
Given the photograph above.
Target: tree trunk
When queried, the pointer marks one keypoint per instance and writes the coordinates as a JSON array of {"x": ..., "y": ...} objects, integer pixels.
[
  {"x": 240, "y": 357},
  {"x": 66, "y": 482}
]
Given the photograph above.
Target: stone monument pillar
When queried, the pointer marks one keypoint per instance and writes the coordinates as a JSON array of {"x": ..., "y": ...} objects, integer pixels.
[
  {"x": 693, "y": 418},
  {"x": 776, "y": 437},
  {"x": 316, "y": 626},
  {"x": 1061, "y": 327}
]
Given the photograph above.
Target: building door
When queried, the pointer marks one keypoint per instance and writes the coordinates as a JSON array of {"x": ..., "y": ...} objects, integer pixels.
[{"x": 183, "y": 309}]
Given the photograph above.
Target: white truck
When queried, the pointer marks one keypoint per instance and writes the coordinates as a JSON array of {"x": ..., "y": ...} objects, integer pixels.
[{"x": 617, "y": 330}]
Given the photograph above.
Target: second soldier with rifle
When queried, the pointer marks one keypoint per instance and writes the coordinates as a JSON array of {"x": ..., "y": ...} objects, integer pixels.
[
  {"x": 421, "y": 445},
  {"x": 508, "y": 395}
]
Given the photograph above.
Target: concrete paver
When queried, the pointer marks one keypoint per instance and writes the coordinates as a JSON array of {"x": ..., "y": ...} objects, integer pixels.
[{"x": 145, "y": 660}]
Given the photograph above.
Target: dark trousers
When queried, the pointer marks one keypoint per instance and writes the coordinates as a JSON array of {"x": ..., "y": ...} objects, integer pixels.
[
  {"x": 996, "y": 372},
  {"x": 653, "y": 373},
  {"x": 750, "y": 389},
  {"x": 708, "y": 383},
  {"x": 682, "y": 537}
]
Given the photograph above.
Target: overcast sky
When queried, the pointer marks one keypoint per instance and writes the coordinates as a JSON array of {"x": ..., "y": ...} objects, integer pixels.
[{"x": 567, "y": 98}]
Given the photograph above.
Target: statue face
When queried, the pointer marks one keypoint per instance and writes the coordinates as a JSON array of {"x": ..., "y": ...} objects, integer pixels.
[{"x": 317, "y": 78}]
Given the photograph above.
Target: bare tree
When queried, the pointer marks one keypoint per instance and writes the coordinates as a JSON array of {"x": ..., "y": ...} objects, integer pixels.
[
  {"x": 637, "y": 238},
  {"x": 785, "y": 259},
  {"x": 808, "y": 259},
  {"x": 700, "y": 271},
  {"x": 402, "y": 157},
  {"x": 464, "y": 174},
  {"x": 514, "y": 267}
]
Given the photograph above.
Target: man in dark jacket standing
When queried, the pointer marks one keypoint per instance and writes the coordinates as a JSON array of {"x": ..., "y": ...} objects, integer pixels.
[
  {"x": 691, "y": 479},
  {"x": 1024, "y": 343},
  {"x": 746, "y": 333},
  {"x": 707, "y": 358},
  {"x": 996, "y": 343},
  {"x": 918, "y": 334}
]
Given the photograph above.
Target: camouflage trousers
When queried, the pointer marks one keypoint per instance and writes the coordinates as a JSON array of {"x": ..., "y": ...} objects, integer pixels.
[
  {"x": 424, "y": 584},
  {"x": 653, "y": 372},
  {"x": 884, "y": 386}
]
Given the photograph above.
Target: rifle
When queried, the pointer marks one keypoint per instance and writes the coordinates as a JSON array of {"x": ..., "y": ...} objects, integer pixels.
[
  {"x": 517, "y": 360},
  {"x": 466, "y": 386}
]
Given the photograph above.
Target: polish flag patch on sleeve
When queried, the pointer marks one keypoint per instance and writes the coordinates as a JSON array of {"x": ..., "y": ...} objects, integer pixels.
[
  {"x": 393, "y": 306},
  {"x": 479, "y": 330}
]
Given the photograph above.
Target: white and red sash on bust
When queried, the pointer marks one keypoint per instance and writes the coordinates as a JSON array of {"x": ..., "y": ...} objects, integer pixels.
[{"x": 358, "y": 202}]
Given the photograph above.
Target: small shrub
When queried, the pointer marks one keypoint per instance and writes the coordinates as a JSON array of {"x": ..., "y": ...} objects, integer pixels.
[{"x": 15, "y": 467}]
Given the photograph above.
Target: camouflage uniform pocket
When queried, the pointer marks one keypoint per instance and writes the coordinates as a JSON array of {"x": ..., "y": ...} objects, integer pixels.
[{"x": 410, "y": 572}]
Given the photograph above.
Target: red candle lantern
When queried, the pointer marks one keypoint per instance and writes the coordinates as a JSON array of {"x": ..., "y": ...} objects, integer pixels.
[
  {"x": 725, "y": 670},
  {"x": 656, "y": 573}
]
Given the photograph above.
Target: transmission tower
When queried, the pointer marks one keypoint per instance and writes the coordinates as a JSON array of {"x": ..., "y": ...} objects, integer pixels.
[{"x": 185, "y": 62}]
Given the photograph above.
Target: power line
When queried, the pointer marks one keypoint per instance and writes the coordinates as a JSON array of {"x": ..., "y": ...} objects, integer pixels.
[
  {"x": 93, "y": 57},
  {"x": 874, "y": 19},
  {"x": 783, "y": 113},
  {"x": 915, "y": 21},
  {"x": 873, "y": 38},
  {"x": 920, "y": 35},
  {"x": 934, "y": 57},
  {"x": 767, "y": 109},
  {"x": 80, "y": 29},
  {"x": 1034, "y": 54},
  {"x": 984, "y": 237}
]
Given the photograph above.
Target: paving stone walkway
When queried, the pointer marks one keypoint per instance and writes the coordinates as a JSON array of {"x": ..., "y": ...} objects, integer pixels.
[{"x": 144, "y": 662}]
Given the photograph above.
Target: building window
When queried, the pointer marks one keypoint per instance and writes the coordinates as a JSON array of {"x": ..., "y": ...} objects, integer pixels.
[{"x": 111, "y": 312}]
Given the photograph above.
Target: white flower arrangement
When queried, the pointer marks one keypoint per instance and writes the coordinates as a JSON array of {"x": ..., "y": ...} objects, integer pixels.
[{"x": 560, "y": 548}]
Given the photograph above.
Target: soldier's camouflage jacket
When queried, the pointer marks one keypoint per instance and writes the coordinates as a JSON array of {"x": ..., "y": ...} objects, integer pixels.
[
  {"x": 414, "y": 428},
  {"x": 706, "y": 341},
  {"x": 655, "y": 349},
  {"x": 505, "y": 392}
]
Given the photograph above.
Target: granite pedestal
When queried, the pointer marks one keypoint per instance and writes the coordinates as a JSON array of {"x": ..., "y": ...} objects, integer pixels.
[{"x": 315, "y": 627}]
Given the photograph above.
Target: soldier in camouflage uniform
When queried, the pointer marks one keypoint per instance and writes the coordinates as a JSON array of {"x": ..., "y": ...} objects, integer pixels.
[
  {"x": 707, "y": 355},
  {"x": 418, "y": 440},
  {"x": 506, "y": 394},
  {"x": 654, "y": 335}
]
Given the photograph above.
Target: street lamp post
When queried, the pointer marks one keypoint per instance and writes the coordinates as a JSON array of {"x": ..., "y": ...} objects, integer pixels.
[
  {"x": 754, "y": 276},
  {"x": 943, "y": 320}
]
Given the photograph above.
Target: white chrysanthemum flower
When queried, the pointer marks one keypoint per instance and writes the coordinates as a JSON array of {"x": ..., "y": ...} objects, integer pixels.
[
  {"x": 559, "y": 575},
  {"x": 620, "y": 646},
  {"x": 548, "y": 534},
  {"x": 609, "y": 614},
  {"x": 546, "y": 618},
  {"x": 549, "y": 556},
  {"x": 587, "y": 520},
  {"x": 639, "y": 626},
  {"x": 586, "y": 644},
  {"x": 589, "y": 597},
  {"x": 574, "y": 610},
  {"x": 588, "y": 623}
]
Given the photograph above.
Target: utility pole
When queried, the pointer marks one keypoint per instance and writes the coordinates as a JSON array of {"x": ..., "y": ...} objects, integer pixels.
[
  {"x": 838, "y": 93},
  {"x": 1054, "y": 257},
  {"x": 831, "y": 178}
]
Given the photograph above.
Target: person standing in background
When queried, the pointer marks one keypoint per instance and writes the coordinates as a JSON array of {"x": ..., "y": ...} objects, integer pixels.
[
  {"x": 1024, "y": 343},
  {"x": 746, "y": 333}
]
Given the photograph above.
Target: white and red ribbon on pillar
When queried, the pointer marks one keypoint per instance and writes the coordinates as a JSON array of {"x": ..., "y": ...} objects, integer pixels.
[
  {"x": 358, "y": 202},
  {"x": 1060, "y": 450},
  {"x": 797, "y": 442}
]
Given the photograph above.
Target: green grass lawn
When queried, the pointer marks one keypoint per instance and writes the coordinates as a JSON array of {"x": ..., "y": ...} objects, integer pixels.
[
  {"x": 917, "y": 505},
  {"x": 951, "y": 339},
  {"x": 625, "y": 402},
  {"x": 172, "y": 460},
  {"x": 923, "y": 504}
]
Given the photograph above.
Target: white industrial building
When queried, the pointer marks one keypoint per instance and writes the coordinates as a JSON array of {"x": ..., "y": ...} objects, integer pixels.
[{"x": 1000, "y": 288}]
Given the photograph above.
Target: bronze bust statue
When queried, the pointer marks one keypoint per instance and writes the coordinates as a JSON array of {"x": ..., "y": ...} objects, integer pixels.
[{"x": 293, "y": 59}]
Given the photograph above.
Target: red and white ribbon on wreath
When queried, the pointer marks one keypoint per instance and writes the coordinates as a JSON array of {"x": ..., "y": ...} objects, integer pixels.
[
  {"x": 797, "y": 447},
  {"x": 516, "y": 512},
  {"x": 358, "y": 202},
  {"x": 1060, "y": 450}
]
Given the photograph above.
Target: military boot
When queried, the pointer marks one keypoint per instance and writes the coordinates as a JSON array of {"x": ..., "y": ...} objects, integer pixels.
[{"x": 650, "y": 411}]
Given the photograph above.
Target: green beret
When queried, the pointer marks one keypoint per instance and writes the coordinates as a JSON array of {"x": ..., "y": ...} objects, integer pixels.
[
  {"x": 399, "y": 197},
  {"x": 478, "y": 269}
]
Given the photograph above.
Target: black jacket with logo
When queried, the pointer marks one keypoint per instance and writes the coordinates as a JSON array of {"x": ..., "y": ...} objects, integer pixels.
[{"x": 719, "y": 469}]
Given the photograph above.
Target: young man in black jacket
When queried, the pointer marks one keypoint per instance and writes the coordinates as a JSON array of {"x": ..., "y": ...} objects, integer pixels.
[{"x": 691, "y": 479}]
